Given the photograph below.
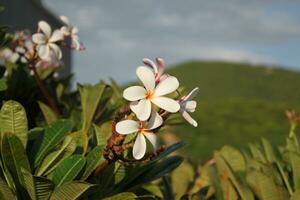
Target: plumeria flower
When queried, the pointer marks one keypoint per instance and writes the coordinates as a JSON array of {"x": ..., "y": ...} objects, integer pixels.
[
  {"x": 70, "y": 30},
  {"x": 7, "y": 55},
  {"x": 46, "y": 41},
  {"x": 142, "y": 97},
  {"x": 158, "y": 67},
  {"x": 188, "y": 105},
  {"x": 143, "y": 129},
  {"x": 29, "y": 52}
]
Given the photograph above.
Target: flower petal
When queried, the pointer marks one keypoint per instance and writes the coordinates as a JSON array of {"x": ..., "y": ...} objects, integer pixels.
[
  {"x": 151, "y": 64},
  {"x": 166, "y": 103},
  {"x": 151, "y": 137},
  {"x": 45, "y": 27},
  {"x": 74, "y": 30},
  {"x": 127, "y": 126},
  {"x": 65, "y": 30},
  {"x": 166, "y": 86},
  {"x": 43, "y": 51},
  {"x": 142, "y": 109},
  {"x": 39, "y": 38},
  {"x": 192, "y": 94},
  {"x": 56, "y": 36},
  {"x": 189, "y": 106},
  {"x": 139, "y": 147},
  {"x": 147, "y": 77},
  {"x": 134, "y": 93},
  {"x": 189, "y": 119},
  {"x": 65, "y": 20},
  {"x": 56, "y": 50},
  {"x": 154, "y": 121},
  {"x": 161, "y": 66},
  {"x": 75, "y": 42}
]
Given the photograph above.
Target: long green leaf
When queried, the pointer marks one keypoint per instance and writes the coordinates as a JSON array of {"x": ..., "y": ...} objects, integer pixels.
[
  {"x": 93, "y": 159},
  {"x": 14, "y": 157},
  {"x": 5, "y": 192},
  {"x": 54, "y": 134},
  {"x": 68, "y": 169},
  {"x": 90, "y": 98},
  {"x": 263, "y": 186},
  {"x": 70, "y": 191},
  {"x": 48, "y": 113},
  {"x": 123, "y": 196},
  {"x": 14, "y": 120},
  {"x": 39, "y": 188},
  {"x": 54, "y": 157}
]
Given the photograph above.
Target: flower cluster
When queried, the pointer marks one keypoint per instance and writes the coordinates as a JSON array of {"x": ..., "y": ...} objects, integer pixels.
[
  {"x": 42, "y": 49},
  {"x": 149, "y": 101}
]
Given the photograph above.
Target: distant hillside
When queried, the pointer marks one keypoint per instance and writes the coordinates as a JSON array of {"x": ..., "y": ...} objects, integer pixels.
[{"x": 237, "y": 104}]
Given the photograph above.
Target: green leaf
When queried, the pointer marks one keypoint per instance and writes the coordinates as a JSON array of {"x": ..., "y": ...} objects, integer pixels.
[
  {"x": 102, "y": 133},
  {"x": 39, "y": 188},
  {"x": 234, "y": 158},
  {"x": 68, "y": 169},
  {"x": 54, "y": 157},
  {"x": 269, "y": 152},
  {"x": 3, "y": 85},
  {"x": 70, "y": 191},
  {"x": 5, "y": 192},
  {"x": 294, "y": 159},
  {"x": 14, "y": 158},
  {"x": 296, "y": 195},
  {"x": 263, "y": 186},
  {"x": 123, "y": 196},
  {"x": 93, "y": 159},
  {"x": 90, "y": 98},
  {"x": 228, "y": 178},
  {"x": 48, "y": 113},
  {"x": 14, "y": 120},
  {"x": 54, "y": 134}
]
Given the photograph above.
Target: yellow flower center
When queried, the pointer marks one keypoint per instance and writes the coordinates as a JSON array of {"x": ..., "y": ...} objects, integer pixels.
[{"x": 149, "y": 94}]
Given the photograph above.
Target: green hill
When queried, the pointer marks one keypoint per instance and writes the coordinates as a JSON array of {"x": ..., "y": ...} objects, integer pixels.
[{"x": 237, "y": 104}]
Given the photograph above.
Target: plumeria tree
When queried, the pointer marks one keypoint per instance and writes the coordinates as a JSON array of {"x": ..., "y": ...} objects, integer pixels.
[{"x": 96, "y": 142}]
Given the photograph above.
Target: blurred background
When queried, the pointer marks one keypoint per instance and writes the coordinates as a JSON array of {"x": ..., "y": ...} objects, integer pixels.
[{"x": 243, "y": 55}]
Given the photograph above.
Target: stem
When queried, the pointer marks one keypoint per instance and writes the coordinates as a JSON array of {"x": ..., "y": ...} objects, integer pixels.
[{"x": 45, "y": 92}]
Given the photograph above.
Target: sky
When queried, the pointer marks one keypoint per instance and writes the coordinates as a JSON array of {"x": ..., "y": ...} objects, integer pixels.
[{"x": 119, "y": 34}]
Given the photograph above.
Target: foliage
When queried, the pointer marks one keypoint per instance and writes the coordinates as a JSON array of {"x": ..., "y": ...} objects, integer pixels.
[
  {"x": 238, "y": 104},
  {"x": 263, "y": 171}
]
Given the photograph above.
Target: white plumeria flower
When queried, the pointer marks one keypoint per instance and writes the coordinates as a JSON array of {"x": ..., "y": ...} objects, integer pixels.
[
  {"x": 142, "y": 97},
  {"x": 143, "y": 130},
  {"x": 7, "y": 55},
  {"x": 70, "y": 30},
  {"x": 46, "y": 41},
  {"x": 188, "y": 105},
  {"x": 158, "y": 67}
]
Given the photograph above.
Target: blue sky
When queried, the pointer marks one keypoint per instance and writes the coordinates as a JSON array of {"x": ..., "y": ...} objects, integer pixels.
[{"x": 118, "y": 34}]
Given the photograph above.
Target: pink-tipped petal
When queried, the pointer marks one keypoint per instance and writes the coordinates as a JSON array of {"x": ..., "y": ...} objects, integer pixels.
[
  {"x": 167, "y": 104},
  {"x": 167, "y": 86},
  {"x": 151, "y": 137},
  {"x": 39, "y": 38},
  {"x": 134, "y": 93},
  {"x": 45, "y": 27},
  {"x": 155, "y": 121},
  {"x": 147, "y": 77},
  {"x": 127, "y": 126},
  {"x": 189, "y": 119},
  {"x": 139, "y": 147},
  {"x": 151, "y": 64},
  {"x": 161, "y": 66},
  {"x": 142, "y": 109}
]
